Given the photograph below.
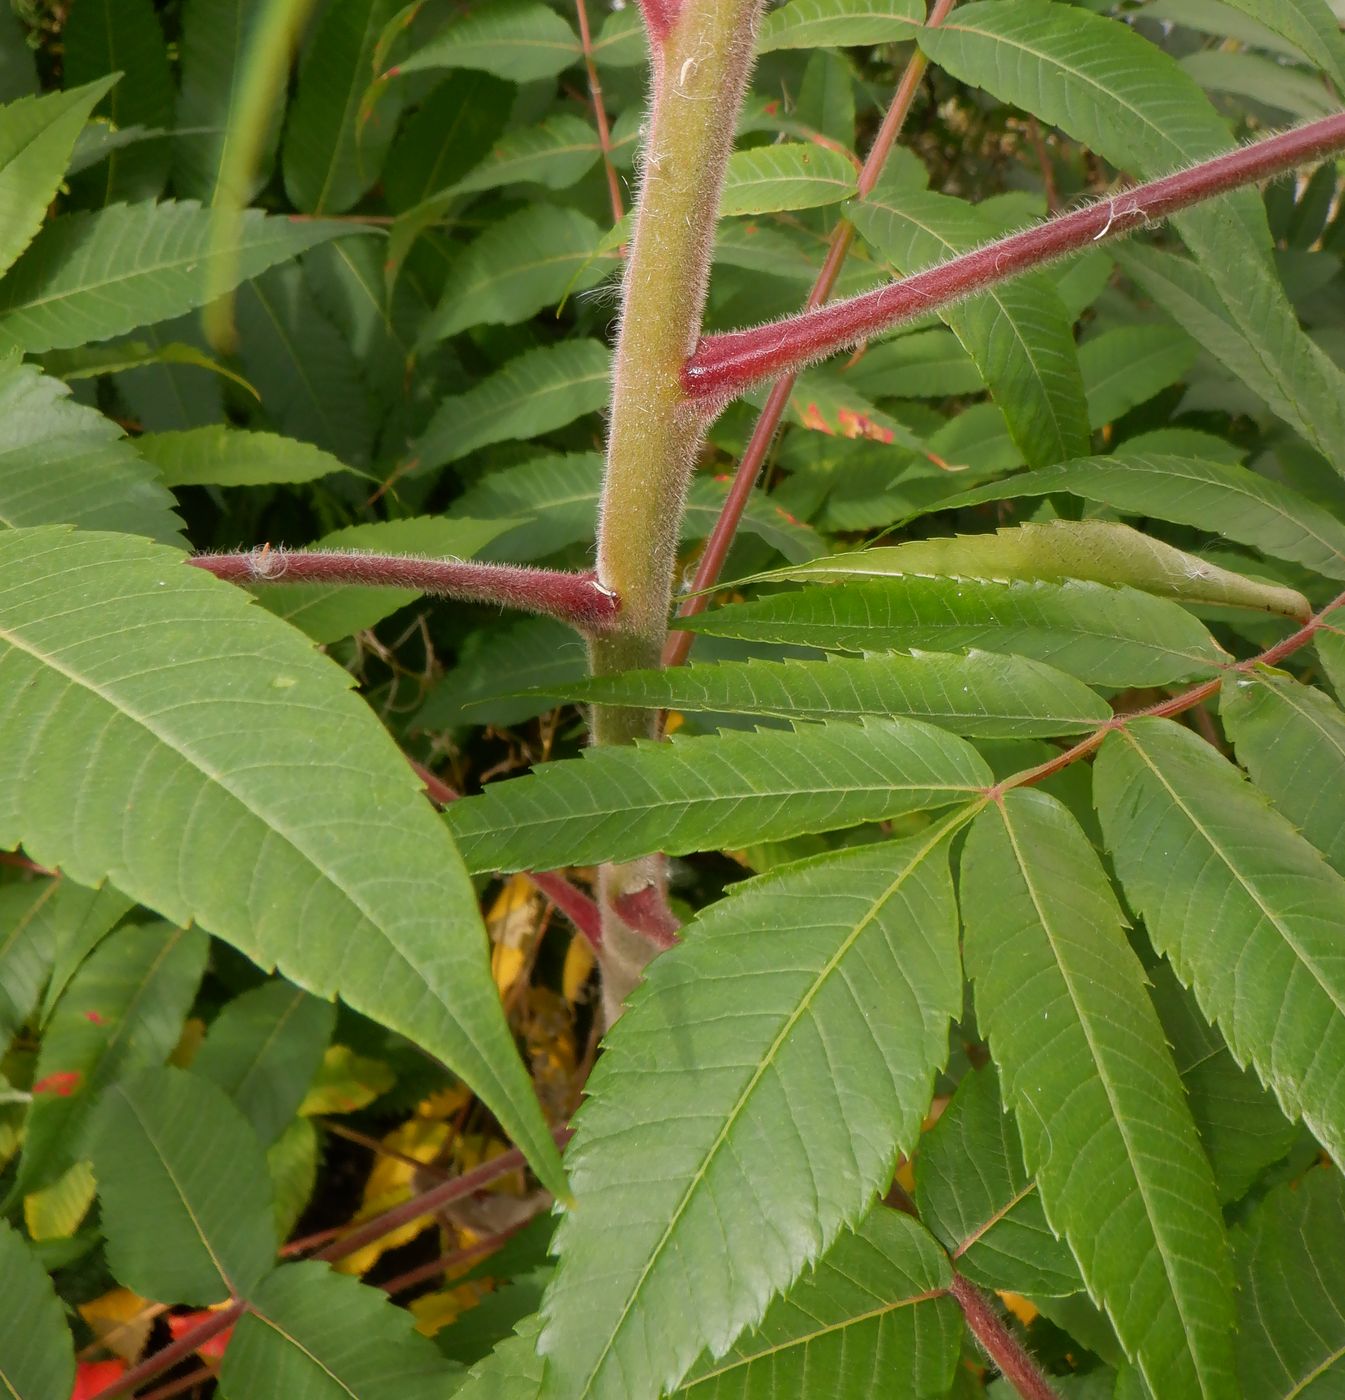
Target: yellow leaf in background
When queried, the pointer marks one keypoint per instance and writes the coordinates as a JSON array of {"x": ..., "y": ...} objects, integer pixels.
[
  {"x": 54, "y": 1213},
  {"x": 505, "y": 965},
  {"x": 676, "y": 719},
  {"x": 512, "y": 926},
  {"x": 445, "y": 1103},
  {"x": 346, "y": 1081},
  {"x": 435, "y": 1311},
  {"x": 1019, "y": 1307},
  {"x": 121, "y": 1321},
  {"x": 579, "y": 962}
]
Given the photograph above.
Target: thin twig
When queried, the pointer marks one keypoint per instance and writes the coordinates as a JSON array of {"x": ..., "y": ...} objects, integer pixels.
[
  {"x": 600, "y": 114},
  {"x": 717, "y": 547}
]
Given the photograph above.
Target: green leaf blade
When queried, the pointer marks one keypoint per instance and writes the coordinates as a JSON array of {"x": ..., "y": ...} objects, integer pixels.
[
  {"x": 807, "y": 24},
  {"x": 869, "y": 1307},
  {"x": 1291, "y": 740},
  {"x": 1291, "y": 1272},
  {"x": 793, "y": 175},
  {"x": 214, "y": 707},
  {"x": 1250, "y": 916},
  {"x": 1100, "y": 635},
  {"x": 520, "y": 40},
  {"x": 767, "y": 1145},
  {"x": 37, "y": 136},
  {"x": 977, "y": 694},
  {"x": 707, "y": 792},
  {"x": 1019, "y": 335},
  {"x": 1104, "y": 1124},
  {"x": 186, "y": 1202},
  {"x": 37, "y": 1353},
  {"x": 536, "y": 393},
  {"x": 89, "y": 277},
  {"x": 1240, "y": 504},
  {"x": 313, "y": 1334}
]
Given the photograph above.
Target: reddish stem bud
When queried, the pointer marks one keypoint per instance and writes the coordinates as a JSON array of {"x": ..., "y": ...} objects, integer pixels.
[
  {"x": 660, "y": 16},
  {"x": 646, "y": 911},
  {"x": 577, "y": 599}
]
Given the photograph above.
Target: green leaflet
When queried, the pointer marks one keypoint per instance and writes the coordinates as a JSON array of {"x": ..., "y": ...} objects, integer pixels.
[
  {"x": 263, "y": 1050},
  {"x": 121, "y": 1012},
  {"x": 713, "y": 791},
  {"x": 1085, "y": 1068},
  {"x": 1330, "y": 647},
  {"x": 767, "y": 1144},
  {"x": 334, "y": 149},
  {"x": 495, "y": 665},
  {"x": 1106, "y": 636},
  {"x": 37, "y": 1354},
  {"x": 123, "y": 39},
  {"x": 37, "y": 136},
  {"x": 1309, "y": 25},
  {"x": 217, "y": 39},
  {"x": 1291, "y": 1277},
  {"x": 1241, "y": 1127},
  {"x": 327, "y": 612},
  {"x": 554, "y": 502},
  {"x": 62, "y": 462},
  {"x": 1250, "y": 916},
  {"x": 292, "y": 1162},
  {"x": 303, "y": 366},
  {"x": 1127, "y": 366},
  {"x": 515, "y": 39},
  {"x": 1261, "y": 80},
  {"x": 976, "y": 1197},
  {"x": 218, "y": 455},
  {"x": 805, "y": 24},
  {"x": 795, "y": 175},
  {"x": 182, "y": 1183},
  {"x": 536, "y": 393},
  {"x": 44, "y": 925},
  {"x": 525, "y": 263},
  {"x": 513, "y": 1371},
  {"x": 868, "y": 1307},
  {"x": 1283, "y": 367},
  {"x": 1239, "y": 504},
  {"x": 1291, "y": 740},
  {"x": 979, "y": 693},
  {"x": 1130, "y": 102},
  {"x": 1098, "y": 550},
  {"x": 1018, "y": 334},
  {"x": 314, "y": 1334},
  {"x": 92, "y": 276},
  {"x": 209, "y": 712}
]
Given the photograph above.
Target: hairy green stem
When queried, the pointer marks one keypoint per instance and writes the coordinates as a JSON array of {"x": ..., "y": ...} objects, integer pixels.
[{"x": 700, "y": 58}]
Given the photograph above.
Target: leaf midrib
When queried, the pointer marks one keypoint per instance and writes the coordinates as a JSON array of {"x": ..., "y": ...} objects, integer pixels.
[
  {"x": 767, "y": 1061},
  {"x": 1121, "y": 1121}
]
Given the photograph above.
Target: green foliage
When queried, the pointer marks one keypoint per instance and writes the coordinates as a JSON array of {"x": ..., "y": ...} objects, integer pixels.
[{"x": 1022, "y": 712}]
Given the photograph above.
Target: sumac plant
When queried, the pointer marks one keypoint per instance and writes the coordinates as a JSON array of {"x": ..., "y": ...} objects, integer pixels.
[{"x": 782, "y": 556}]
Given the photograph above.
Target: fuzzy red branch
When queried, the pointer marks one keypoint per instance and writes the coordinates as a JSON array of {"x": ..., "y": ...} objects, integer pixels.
[
  {"x": 724, "y": 366},
  {"x": 599, "y": 112},
  {"x": 577, "y": 599},
  {"x": 999, "y": 1344}
]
